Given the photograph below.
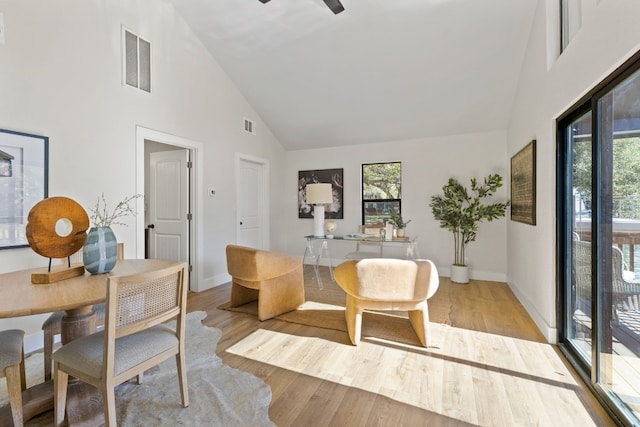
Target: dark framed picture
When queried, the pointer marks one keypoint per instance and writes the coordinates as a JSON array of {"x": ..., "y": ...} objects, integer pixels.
[
  {"x": 523, "y": 185},
  {"x": 24, "y": 163},
  {"x": 331, "y": 176}
]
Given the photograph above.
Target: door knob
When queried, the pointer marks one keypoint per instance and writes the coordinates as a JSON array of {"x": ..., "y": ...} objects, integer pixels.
[{"x": 151, "y": 226}]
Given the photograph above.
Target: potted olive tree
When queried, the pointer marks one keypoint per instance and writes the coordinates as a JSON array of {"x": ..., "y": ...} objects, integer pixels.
[{"x": 461, "y": 211}]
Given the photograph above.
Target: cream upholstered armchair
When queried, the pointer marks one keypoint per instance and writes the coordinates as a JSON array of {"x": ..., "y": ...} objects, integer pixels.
[
  {"x": 272, "y": 278},
  {"x": 388, "y": 284}
]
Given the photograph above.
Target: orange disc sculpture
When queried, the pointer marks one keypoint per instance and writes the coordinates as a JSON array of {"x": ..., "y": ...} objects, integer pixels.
[{"x": 56, "y": 228}]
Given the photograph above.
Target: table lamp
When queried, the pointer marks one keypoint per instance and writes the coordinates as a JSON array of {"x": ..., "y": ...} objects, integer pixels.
[{"x": 319, "y": 195}]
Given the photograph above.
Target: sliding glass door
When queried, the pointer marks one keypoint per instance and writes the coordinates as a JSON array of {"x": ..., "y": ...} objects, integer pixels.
[{"x": 599, "y": 229}]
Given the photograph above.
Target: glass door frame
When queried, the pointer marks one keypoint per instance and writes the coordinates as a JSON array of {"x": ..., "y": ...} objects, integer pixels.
[{"x": 601, "y": 233}]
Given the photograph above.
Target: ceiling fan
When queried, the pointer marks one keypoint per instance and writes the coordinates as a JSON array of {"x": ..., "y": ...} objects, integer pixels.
[{"x": 335, "y": 5}]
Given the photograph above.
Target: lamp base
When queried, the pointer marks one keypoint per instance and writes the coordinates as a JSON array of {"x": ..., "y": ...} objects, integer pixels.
[{"x": 318, "y": 221}]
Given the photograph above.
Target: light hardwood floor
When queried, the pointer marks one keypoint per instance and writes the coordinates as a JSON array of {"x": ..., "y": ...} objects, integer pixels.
[{"x": 488, "y": 365}]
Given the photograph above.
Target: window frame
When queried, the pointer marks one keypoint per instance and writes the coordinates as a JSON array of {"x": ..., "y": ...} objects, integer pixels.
[{"x": 364, "y": 201}]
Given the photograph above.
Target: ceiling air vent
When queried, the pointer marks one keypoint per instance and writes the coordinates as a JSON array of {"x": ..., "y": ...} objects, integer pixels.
[{"x": 249, "y": 126}]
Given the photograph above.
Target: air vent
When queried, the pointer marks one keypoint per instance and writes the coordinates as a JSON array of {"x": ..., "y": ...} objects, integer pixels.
[
  {"x": 136, "y": 61},
  {"x": 249, "y": 126}
]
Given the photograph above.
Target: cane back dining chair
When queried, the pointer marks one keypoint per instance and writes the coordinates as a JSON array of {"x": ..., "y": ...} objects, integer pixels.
[
  {"x": 52, "y": 326},
  {"x": 134, "y": 338}
]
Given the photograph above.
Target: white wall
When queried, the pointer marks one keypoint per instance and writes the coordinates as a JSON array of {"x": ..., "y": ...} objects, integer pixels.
[
  {"x": 427, "y": 164},
  {"x": 61, "y": 77},
  {"x": 610, "y": 34}
]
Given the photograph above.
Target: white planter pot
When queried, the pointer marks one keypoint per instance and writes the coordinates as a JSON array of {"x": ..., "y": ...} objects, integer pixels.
[{"x": 460, "y": 273}]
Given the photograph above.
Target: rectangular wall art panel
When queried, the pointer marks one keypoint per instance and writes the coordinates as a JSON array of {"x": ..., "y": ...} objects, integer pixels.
[
  {"x": 331, "y": 176},
  {"x": 523, "y": 185}
]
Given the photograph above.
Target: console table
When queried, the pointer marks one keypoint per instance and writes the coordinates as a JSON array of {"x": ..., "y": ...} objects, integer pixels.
[{"x": 316, "y": 253}]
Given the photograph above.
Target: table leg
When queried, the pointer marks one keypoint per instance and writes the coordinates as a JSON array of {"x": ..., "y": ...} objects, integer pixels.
[
  {"x": 309, "y": 250},
  {"x": 36, "y": 400},
  {"x": 325, "y": 248},
  {"x": 78, "y": 323},
  {"x": 84, "y": 401}
]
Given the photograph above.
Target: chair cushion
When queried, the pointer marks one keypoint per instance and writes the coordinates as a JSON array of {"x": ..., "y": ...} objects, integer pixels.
[
  {"x": 85, "y": 354},
  {"x": 253, "y": 265},
  {"x": 55, "y": 320},
  {"x": 10, "y": 348},
  {"x": 386, "y": 279}
]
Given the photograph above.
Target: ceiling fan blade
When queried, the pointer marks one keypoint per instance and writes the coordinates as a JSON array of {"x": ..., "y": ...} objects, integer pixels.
[{"x": 335, "y": 5}]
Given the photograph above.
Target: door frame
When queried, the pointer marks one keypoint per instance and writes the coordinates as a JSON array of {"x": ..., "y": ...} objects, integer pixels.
[
  {"x": 196, "y": 224},
  {"x": 265, "y": 195}
]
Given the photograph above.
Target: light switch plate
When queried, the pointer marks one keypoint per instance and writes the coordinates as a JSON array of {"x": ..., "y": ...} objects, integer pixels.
[{"x": 2, "y": 28}]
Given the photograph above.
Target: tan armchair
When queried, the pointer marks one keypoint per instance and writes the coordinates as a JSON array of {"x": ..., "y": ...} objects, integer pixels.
[
  {"x": 388, "y": 284},
  {"x": 274, "y": 279}
]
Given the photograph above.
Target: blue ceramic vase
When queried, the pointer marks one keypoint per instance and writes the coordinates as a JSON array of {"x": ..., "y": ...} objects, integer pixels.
[{"x": 100, "y": 250}]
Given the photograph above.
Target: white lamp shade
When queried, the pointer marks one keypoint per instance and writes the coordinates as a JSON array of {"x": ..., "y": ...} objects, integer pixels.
[{"x": 319, "y": 194}]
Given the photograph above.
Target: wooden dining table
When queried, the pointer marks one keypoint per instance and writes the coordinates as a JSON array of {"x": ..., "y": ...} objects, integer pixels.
[{"x": 76, "y": 296}]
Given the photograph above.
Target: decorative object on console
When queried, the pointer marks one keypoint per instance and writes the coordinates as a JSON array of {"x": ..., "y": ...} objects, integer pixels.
[
  {"x": 461, "y": 213},
  {"x": 333, "y": 210},
  {"x": 330, "y": 226},
  {"x": 100, "y": 251},
  {"x": 56, "y": 228},
  {"x": 400, "y": 224},
  {"x": 318, "y": 195}
]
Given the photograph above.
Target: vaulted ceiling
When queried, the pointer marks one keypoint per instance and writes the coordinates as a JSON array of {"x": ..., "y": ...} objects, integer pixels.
[{"x": 381, "y": 70}]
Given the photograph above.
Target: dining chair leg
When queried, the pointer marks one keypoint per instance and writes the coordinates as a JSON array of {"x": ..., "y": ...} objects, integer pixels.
[
  {"x": 60, "y": 382},
  {"x": 48, "y": 351},
  {"x": 109, "y": 397},
  {"x": 182, "y": 379},
  {"x": 14, "y": 386},
  {"x": 23, "y": 375}
]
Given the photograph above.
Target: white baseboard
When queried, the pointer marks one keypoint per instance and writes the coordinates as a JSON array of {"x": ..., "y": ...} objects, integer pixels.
[{"x": 550, "y": 332}]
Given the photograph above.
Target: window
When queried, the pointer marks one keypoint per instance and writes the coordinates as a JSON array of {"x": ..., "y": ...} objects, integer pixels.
[
  {"x": 570, "y": 20},
  {"x": 381, "y": 192},
  {"x": 599, "y": 226}
]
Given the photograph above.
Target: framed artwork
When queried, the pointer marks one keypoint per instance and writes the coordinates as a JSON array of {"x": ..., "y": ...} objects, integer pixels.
[
  {"x": 24, "y": 163},
  {"x": 328, "y": 176},
  {"x": 523, "y": 185}
]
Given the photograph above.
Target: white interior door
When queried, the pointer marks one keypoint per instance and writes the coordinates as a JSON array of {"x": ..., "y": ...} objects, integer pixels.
[
  {"x": 169, "y": 205},
  {"x": 252, "y": 196}
]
